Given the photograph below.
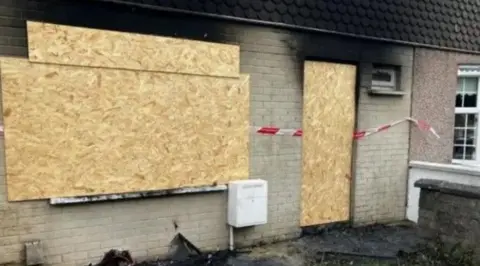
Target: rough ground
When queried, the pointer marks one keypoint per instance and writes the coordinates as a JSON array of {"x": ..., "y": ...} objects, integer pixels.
[{"x": 370, "y": 245}]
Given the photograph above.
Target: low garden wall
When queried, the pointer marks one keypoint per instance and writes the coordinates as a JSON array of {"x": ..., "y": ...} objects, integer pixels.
[
  {"x": 461, "y": 174},
  {"x": 449, "y": 213}
]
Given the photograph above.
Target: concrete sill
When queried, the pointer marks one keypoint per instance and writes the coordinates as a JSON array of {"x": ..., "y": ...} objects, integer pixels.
[
  {"x": 136, "y": 195},
  {"x": 450, "y": 168},
  {"x": 386, "y": 93},
  {"x": 455, "y": 189}
]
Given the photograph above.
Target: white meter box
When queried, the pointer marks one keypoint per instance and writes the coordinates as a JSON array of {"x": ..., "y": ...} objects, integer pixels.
[{"x": 247, "y": 202}]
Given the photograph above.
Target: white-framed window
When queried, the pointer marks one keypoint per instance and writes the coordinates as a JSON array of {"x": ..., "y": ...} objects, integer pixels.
[
  {"x": 467, "y": 110},
  {"x": 384, "y": 78}
]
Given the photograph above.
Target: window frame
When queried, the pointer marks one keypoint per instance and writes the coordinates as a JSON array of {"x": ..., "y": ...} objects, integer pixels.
[
  {"x": 385, "y": 84},
  {"x": 470, "y": 110}
]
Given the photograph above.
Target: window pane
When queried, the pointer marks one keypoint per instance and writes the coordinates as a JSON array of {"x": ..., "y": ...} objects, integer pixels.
[
  {"x": 458, "y": 153},
  {"x": 470, "y": 137},
  {"x": 460, "y": 120},
  {"x": 465, "y": 136},
  {"x": 460, "y": 85},
  {"x": 382, "y": 76},
  {"x": 471, "y": 121},
  {"x": 458, "y": 100},
  {"x": 470, "y": 100},
  {"x": 470, "y": 153},
  {"x": 467, "y": 90},
  {"x": 470, "y": 85},
  {"x": 459, "y": 136},
  {"x": 470, "y": 92}
]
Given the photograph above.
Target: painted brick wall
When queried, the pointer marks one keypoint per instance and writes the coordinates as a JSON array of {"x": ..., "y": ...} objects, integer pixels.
[
  {"x": 382, "y": 160},
  {"x": 13, "y": 39},
  {"x": 274, "y": 58},
  {"x": 75, "y": 235}
]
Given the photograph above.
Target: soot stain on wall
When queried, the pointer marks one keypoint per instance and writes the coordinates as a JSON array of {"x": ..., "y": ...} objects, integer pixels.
[
  {"x": 110, "y": 16},
  {"x": 299, "y": 45}
]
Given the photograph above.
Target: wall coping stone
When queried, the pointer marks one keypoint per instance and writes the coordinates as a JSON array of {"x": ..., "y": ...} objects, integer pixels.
[
  {"x": 456, "y": 189},
  {"x": 452, "y": 168}
]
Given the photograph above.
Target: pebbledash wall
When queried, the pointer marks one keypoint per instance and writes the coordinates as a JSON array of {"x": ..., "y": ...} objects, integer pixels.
[
  {"x": 75, "y": 235},
  {"x": 433, "y": 99}
]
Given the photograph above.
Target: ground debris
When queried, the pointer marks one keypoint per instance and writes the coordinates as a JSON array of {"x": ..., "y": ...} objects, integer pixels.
[
  {"x": 181, "y": 248},
  {"x": 119, "y": 258},
  {"x": 375, "y": 240},
  {"x": 182, "y": 253},
  {"x": 379, "y": 245},
  {"x": 116, "y": 258}
]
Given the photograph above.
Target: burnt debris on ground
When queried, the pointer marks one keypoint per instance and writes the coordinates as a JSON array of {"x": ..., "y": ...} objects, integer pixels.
[
  {"x": 115, "y": 257},
  {"x": 381, "y": 241},
  {"x": 379, "y": 244},
  {"x": 221, "y": 258}
]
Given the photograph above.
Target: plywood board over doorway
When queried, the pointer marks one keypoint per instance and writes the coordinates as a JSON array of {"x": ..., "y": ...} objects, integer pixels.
[{"x": 328, "y": 124}]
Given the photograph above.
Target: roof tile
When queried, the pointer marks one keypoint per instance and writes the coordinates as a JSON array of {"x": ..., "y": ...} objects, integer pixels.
[{"x": 417, "y": 21}]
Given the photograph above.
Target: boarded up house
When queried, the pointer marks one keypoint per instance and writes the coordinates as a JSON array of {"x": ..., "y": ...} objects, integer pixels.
[{"x": 112, "y": 100}]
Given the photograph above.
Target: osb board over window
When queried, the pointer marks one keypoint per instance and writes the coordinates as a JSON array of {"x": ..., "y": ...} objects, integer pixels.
[
  {"x": 328, "y": 125},
  {"x": 59, "y": 44},
  {"x": 73, "y": 131}
]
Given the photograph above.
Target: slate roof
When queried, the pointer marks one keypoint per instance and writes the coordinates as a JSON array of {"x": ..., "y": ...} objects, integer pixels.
[{"x": 445, "y": 23}]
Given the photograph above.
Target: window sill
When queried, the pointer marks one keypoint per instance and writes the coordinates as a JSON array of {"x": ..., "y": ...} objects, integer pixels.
[
  {"x": 385, "y": 93},
  {"x": 473, "y": 164},
  {"x": 454, "y": 167}
]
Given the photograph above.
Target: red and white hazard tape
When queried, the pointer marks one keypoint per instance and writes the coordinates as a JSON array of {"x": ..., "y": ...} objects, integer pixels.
[
  {"x": 278, "y": 131},
  {"x": 422, "y": 125}
]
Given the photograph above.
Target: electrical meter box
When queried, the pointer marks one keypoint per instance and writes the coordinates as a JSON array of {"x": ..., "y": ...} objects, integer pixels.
[{"x": 247, "y": 202}]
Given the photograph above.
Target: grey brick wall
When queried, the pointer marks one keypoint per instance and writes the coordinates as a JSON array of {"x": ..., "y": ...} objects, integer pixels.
[
  {"x": 13, "y": 38},
  {"x": 74, "y": 235},
  {"x": 381, "y": 167}
]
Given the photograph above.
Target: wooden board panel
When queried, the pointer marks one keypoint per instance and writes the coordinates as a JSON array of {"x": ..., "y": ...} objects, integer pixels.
[
  {"x": 73, "y": 131},
  {"x": 52, "y": 43},
  {"x": 328, "y": 124}
]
